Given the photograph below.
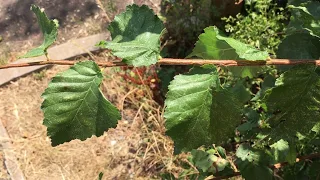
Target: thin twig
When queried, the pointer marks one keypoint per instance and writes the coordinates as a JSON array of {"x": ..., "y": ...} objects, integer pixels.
[
  {"x": 59, "y": 62},
  {"x": 302, "y": 158},
  {"x": 183, "y": 62},
  {"x": 100, "y": 5},
  {"x": 199, "y": 62},
  {"x": 274, "y": 166}
]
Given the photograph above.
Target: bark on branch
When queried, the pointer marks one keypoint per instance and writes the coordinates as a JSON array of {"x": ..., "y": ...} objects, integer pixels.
[{"x": 183, "y": 62}]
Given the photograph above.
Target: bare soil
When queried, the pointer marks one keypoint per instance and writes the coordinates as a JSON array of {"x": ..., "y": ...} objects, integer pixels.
[{"x": 19, "y": 30}]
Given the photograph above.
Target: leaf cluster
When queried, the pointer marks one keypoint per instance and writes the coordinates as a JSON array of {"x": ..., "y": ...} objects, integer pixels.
[{"x": 232, "y": 120}]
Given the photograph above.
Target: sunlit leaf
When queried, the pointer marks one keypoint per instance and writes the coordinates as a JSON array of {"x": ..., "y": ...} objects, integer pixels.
[
  {"x": 49, "y": 29},
  {"x": 135, "y": 36},
  {"x": 305, "y": 17},
  {"x": 213, "y": 45},
  {"x": 198, "y": 111},
  {"x": 207, "y": 161},
  {"x": 295, "y": 103},
  {"x": 74, "y": 107},
  {"x": 253, "y": 164},
  {"x": 281, "y": 150}
]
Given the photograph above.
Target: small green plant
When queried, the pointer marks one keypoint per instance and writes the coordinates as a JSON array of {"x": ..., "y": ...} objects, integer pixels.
[
  {"x": 269, "y": 131},
  {"x": 39, "y": 75},
  {"x": 263, "y": 27},
  {"x": 4, "y": 53}
]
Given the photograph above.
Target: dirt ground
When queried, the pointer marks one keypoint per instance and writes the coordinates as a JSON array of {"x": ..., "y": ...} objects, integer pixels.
[
  {"x": 19, "y": 30},
  {"x": 136, "y": 149}
]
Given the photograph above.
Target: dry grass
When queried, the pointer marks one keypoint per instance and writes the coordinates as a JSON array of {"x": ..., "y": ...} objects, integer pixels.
[{"x": 4, "y": 53}]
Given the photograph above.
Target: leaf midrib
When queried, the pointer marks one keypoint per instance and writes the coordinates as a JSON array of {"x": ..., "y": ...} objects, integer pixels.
[{"x": 83, "y": 99}]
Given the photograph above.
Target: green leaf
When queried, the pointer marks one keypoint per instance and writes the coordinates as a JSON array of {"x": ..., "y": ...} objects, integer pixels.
[
  {"x": 246, "y": 153},
  {"x": 299, "y": 46},
  {"x": 294, "y": 102},
  {"x": 316, "y": 128},
  {"x": 208, "y": 162},
  {"x": 240, "y": 91},
  {"x": 305, "y": 17},
  {"x": 198, "y": 111},
  {"x": 221, "y": 151},
  {"x": 297, "y": 2},
  {"x": 74, "y": 107},
  {"x": 49, "y": 29},
  {"x": 213, "y": 45},
  {"x": 100, "y": 176},
  {"x": 135, "y": 36},
  {"x": 292, "y": 155},
  {"x": 253, "y": 121},
  {"x": 280, "y": 150},
  {"x": 253, "y": 164},
  {"x": 201, "y": 159},
  {"x": 254, "y": 172}
]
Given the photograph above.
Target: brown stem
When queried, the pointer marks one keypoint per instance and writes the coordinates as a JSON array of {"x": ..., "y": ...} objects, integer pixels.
[
  {"x": 199, "y": 62},
  {"x": 184, "y": 62},
  {"x": 59, "y": 62},
  {"x": 274, "y": 166},
  {"x": 310, "y": 156}
]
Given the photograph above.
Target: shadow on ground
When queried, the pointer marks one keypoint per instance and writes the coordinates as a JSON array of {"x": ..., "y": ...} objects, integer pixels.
[{"x": 18, "y": 21}]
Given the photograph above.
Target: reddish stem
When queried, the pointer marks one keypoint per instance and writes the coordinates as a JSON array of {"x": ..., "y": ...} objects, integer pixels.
[{"x": 184, "y": 62}]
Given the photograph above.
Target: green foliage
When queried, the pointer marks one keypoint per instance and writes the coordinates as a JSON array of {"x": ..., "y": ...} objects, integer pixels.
[
  {"x": 299, "y": 46},
  {"x": 211, "y": 161},
  {"x": 262, "y": 27},
  {"x": 135, "y": 36},
  {"x": 49, "y": 29},
  {"x": 282, "y": 152},
  {"x": 295, "y": 103},
  {"x": 39, "y": 75},
  {"x": 208, "y": 161},
  {"x": 253, "y": 163},
  {"x": 302, "y": 170},
  {"x": 74, "y": 107},
  {"x": 305, "y": 17},
  {"x": 100, "y": 176},
  {"x": 213, "y": 45},
  {"x": 259, "y": 119},
  {"x": 303, "y": 33},
  {"x": 240, "y": 92},
  {"x": 196, "y": 107}
]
